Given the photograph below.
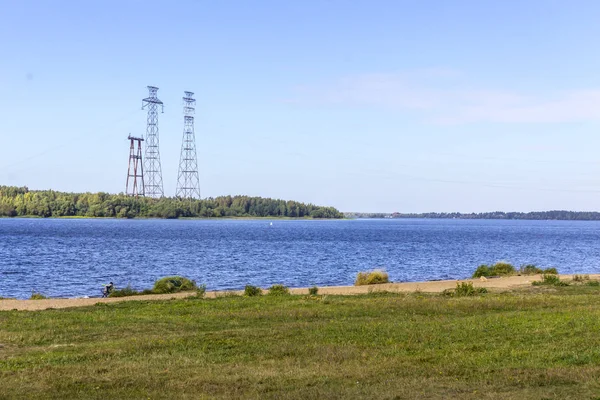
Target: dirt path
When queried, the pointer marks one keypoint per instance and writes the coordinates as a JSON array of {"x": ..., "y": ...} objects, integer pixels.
[{"x": 498, "y": 284}]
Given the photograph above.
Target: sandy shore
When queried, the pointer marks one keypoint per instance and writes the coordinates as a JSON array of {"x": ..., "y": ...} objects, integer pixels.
[{"x": 497, "y": 284}]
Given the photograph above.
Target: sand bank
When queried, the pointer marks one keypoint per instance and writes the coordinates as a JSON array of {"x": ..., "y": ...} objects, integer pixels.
[{"x": 496, "y": 284}]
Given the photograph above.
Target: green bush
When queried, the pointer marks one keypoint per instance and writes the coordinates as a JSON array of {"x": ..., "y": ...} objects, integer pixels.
[
  {"x": 37, "y": 296},
  {"x": 581, "y": 278},
  {"x": 201, "y": 291},
  {"x": 371, "y": 278},
  {"x": 498, "y": 269},
  {"x": 464, "y": 289},
  {"x": 313, "y": 291},
  {"x": 482, "y": 270},
  {"x": 126, "y": 291},
  {"x": 593, "y": 283},
  {"x": 252, "y": 291},
  {"x": 550, "y": 280},
  {"x": 502, "y": 269},
  {"x": 279, "y": 290},
  {"x": 173, "y": 284},
  {"x": 551, "y": 271},
  {"x": 530, "y": 269}
]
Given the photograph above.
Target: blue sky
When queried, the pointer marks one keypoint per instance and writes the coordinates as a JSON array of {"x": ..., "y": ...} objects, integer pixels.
[{"x": 407, "y": 106}]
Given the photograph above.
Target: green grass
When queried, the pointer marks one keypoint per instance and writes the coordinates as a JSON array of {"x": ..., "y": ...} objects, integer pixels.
[
  {"x": 537, "y": 344},
  {"x": 464, "y": 289},
  {"x": 126, "y": 291},
  {"x": 550, "y": 280}
]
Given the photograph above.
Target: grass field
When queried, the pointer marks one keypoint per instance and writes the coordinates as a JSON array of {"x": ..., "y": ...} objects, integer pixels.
[{"x": 534, "y": 344}]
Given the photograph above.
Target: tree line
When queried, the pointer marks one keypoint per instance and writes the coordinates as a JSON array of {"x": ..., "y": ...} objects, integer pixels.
[
  {"x": 534, "y": 215},
  {"x": 20, "y": 201}
]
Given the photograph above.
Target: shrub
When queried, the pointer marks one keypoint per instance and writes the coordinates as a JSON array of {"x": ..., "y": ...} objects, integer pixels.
[
  {"x": 530, "y": 269},
  {"x": 371, "y": 278},
  {"x": 502, "y": 268},
  {"x": 581, "y": 278},
  {"x": 551, "y": 271},
  {"x": 313, "y": 291},
  {"x": 173, "y": 284},
  {"x": 252, "y": 291},
  {"x": 37, "y": 296},
  {"x": 550, "y": 280},
  {"x": 482, "y": 270},
  {"x": 126, "y": 291},
  {"x": 464, "y": 289},
  {"x": 593, "y": 283},
  {"x": 201, "y": 291},
  {"x": 498, "y": 269},
  {"x": 279, "y": 290}
]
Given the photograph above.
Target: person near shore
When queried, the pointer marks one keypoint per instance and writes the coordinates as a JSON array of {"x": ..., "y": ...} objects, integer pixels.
[{"x": 107, "y": 289}]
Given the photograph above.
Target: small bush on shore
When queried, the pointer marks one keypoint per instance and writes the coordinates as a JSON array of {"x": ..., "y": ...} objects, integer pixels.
[
  {"x": 371, "y": 278},
  {"x": 581, "y": 278},
  {"x": 482, "y": 270},
  {"x": 173, "y": 284},
  {"x": 313, "y": 291},
  {"x": 464, "y": 289},
  {"x": 550, "y": 280},
  {"x": 251, "y": 291},
  {"x": 37, "y": 296},
  {"x": 593, "y": 283},
  {"x": 503, "y": 268},
  {"x": 530, "y": 269},
  {"x": 126, "y": 291},
  {"x": 279, "y": 290},
  {"x": 201, "y": 291},
  {"x": 169, "y": 284},
  {"x": 498, "y": 269}
]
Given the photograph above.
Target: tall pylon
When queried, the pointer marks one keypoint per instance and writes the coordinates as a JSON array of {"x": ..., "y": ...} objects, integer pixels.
[
  {"x": 188, "y": 181},
  {"x": 135, "y": 169},
  {"x": 153, "y": 186}
]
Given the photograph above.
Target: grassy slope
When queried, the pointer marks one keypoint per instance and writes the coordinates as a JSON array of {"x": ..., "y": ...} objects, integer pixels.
[{"x": 516, "y": 345}]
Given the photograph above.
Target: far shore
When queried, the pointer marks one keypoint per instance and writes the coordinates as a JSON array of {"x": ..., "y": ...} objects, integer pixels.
[
  {"x": 494, "y": 284},
  {"x": 272, "y": 218}
]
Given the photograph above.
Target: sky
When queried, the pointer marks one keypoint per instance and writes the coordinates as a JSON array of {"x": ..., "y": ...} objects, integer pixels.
[{"x": 372, "y": 106}]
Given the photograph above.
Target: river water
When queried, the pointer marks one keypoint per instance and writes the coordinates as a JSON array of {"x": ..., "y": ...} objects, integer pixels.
[{"x": 74, "y": 257}]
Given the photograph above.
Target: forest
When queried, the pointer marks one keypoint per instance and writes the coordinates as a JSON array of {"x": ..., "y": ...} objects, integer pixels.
[
  {"x": 20, "y": 201},
  {"x": 534, "y": 215}
]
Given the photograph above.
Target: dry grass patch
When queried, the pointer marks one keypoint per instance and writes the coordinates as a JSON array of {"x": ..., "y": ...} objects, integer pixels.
[{"x": 371, "y": 278}]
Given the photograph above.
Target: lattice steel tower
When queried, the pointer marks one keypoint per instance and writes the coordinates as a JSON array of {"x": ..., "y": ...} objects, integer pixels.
[
  {"x": 135, "y": 169},
  {"x": 188, "y": 181},
  {"x": 153, "y": 185}
]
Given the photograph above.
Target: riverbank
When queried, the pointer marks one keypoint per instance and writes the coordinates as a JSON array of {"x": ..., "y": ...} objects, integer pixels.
[
  {"x": 495, "y": 284},
  {"x": 539, "y": 342}
]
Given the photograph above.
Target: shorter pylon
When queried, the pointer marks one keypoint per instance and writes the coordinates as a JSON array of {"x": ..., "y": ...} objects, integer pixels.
[{"x": 137, "y": 167}]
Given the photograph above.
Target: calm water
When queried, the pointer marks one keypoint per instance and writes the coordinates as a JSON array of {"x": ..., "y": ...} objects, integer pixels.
[{"x": 75, "y": 257}]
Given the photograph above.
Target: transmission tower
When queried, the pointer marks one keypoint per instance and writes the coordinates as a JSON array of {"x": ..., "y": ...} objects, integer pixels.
[
  {"x": 136, "y": 166},
  {"x": 188, "y": 182},
  {"x": 153, "y": 185}
]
